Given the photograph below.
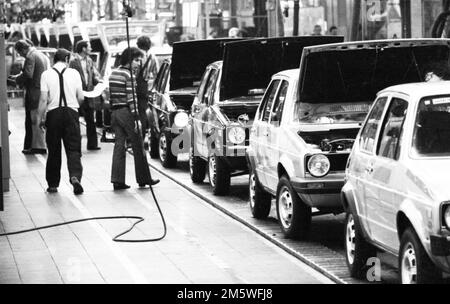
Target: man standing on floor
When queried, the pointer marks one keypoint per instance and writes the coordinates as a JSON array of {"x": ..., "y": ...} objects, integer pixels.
[
  {"x": 35, "y": 64},
  {"x": 89, "y": 77},
  {"x": 125, "y": 121},
  {"x": 61, "y": 94}
]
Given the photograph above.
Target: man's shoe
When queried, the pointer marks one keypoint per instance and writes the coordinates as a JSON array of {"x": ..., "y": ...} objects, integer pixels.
[
  {"x": 77, "y": 188},
  {"x": 94, "y": 149},
  {"x": 39, "y": 151},
  {"x": 118, "y": 186},
  {"x": 34, "y": 151},
  {"x": 152, "y": 183},
  {"x": 52, "y": 189}
]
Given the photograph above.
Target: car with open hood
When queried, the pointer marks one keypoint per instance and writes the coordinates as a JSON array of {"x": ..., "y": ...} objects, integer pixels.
[
  {"x": 226, "y": 102},
  {"x": 396, "y": 195},
  {"x": 307, "y": 123},
  {"x": 173, "y": 92}
]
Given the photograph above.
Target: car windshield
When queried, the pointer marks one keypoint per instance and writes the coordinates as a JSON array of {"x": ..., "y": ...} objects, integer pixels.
[
  {"x": 432, "y": 127},
  {"x": 332, "y": 113}
]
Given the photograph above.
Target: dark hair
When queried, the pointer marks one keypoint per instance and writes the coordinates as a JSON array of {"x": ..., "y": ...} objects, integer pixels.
[
  {"x": 130, "y": 54},
  {"x": 333, "y": 28},
  {"x": 61, "y": 55},
  {"x": 16, "y": 35},
  {"x": 144, "y": 43},
  {"x": 22, "y": 45},
  {"x": 80, "y": 45},
  {"x": 440, "y": 69}
]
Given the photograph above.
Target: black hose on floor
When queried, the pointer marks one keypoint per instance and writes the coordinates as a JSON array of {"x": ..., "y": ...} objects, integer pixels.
[{"x": 116, "y": 238}]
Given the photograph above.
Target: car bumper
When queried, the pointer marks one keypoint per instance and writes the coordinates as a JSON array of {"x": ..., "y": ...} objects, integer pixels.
[
  {"x": 332, "y": 185},
  {"x": 440, "y": 252},
  {"x": 440, "y": 245}
]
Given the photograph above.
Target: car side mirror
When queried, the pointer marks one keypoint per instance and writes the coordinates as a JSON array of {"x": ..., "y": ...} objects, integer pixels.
[{"x": 195, "y": 108}]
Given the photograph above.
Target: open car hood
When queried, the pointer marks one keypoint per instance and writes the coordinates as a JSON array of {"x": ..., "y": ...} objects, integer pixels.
[
  {"x": 190, "y": 59},
  {"x": 250, "y": 64},
  {"x": 357, "y": 71}
]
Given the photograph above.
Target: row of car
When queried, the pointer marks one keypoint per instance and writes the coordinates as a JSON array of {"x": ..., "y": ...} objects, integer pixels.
[
  {"x": 108, "y": 39},
  {"x": 298, "y": 114}
]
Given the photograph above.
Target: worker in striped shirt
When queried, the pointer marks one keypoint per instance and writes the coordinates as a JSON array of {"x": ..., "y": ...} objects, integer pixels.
[{"x": 125, "y": 121}]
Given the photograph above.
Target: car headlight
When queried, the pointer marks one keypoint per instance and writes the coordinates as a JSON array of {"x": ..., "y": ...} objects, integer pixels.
[
  {"x": 181, "y": 120},
  {"x": 319, "y": 165},
  {"x": 446, "y": 215},
  {"x": 236, "y": 135}
]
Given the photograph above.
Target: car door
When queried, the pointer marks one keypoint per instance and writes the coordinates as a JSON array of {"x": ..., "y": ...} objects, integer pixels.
[
  {"x": 262, "y": 131},
  {"x": 210, "y": 125},
  {"x": 275, "y": 135},
  {"x": 199, "y": 108},
  {"x": 385, "y": 166},
  {"x": 160, "y": 89},
  {"x": 365, "y": 194},
  {"x": 155, "y": 96}
]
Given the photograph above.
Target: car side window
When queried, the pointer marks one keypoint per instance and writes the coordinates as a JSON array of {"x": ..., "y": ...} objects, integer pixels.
[
  {"x": 202, "y": 87},
  {"x": 369, "y": 132},
  {"x": 277, "y": 109},
  {"x": 159, "y": 78},
  {"x": 165, "y": 78},
  {"x": 209, "y": 91},
  {"x": 266, "y": 105},
  {"x": 391, "y": 129}
]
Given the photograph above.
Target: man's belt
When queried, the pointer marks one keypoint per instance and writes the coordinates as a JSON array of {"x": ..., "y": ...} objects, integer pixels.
[{"x": 117, "y": 107}]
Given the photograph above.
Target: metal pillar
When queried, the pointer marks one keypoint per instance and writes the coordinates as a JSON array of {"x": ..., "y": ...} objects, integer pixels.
[
  {"x": 296, "y": 16},
  {"x": 4, "y": 130}
]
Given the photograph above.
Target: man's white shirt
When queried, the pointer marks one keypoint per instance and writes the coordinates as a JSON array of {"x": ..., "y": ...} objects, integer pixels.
[{"x": 72, "y": 83}]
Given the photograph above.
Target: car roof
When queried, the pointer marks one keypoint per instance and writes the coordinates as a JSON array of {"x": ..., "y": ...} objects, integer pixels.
[
  {"x": 420, "y": 89},
  {"x": 375, "y": 44},
  {"x": 288, "y": 73},
  {"x": 217, "y": 64}
]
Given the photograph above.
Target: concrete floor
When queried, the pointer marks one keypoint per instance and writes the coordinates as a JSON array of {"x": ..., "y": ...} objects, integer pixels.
[{"x": 202, "y": 244}]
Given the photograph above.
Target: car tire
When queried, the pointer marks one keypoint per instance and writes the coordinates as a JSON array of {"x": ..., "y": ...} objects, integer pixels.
[
  {"x": 260, "y": 200},
  {"x": 197, "y": 167},
  {"x": 166, "y": 156},
  {"x": 413, "y": 255},
  {"x": 219, "y": 175},
  {"x": 153, "y": 142},
  {"x": 357, "y": 249},
  {"x": 294, "y": 216}
]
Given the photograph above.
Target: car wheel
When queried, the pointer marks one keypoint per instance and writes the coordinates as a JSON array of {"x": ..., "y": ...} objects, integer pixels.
[
  {"x": 219, "y": 175},
  {"x": 358, "y": 250},
  {"x": 153, "y": 142},
  {"x": 294, "y": 215},
  {"x": 197, "y": 167},
  {"x": 260, "y": 200},
  {"x": 415, "y": 266},
  {"x": 168, "y": 160}
]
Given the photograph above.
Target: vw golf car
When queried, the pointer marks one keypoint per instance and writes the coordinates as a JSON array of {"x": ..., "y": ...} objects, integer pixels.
[
  {"x": 309, "y": 118},
  {"x": 397, "y": 196},
  {"x": 173, "y": 93},
  {"x": 227, "y": 100}
]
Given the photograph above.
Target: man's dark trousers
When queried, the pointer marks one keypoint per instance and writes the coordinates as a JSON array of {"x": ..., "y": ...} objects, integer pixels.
[
  {"x": 63, "y": 124},
  {"x": 91, "y": 131},
  {"x": 28, "y": 131}
]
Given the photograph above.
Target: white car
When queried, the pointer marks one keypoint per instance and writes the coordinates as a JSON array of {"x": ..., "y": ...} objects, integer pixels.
[
  {"x": 308, "y": 119},
  {"x": 397, "y": 194}
]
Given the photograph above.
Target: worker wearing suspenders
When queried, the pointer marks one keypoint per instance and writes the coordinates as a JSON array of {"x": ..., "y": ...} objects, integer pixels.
[{"x": 61, "y": 95}]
